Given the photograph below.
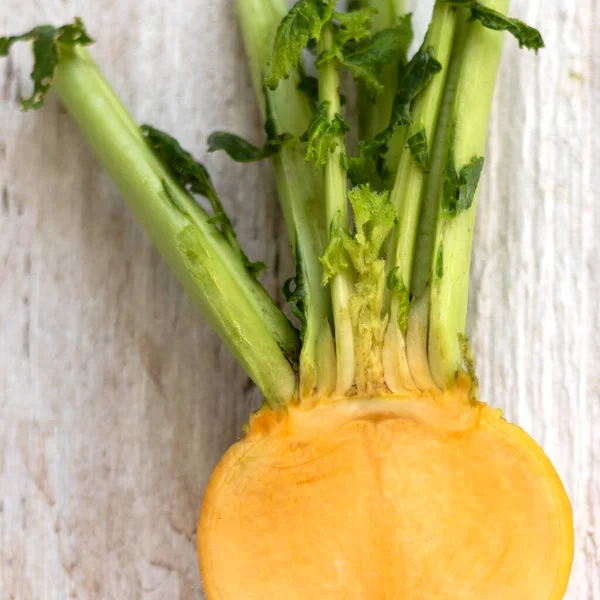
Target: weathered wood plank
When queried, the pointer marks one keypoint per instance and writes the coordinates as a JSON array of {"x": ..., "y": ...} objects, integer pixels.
[{"x": 117, "y": 399}]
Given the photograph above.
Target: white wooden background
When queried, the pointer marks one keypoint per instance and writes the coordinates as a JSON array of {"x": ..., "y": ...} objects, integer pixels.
[{"x": 116, "y": 399}]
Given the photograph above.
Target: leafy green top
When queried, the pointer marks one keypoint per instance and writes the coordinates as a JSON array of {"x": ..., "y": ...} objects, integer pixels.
[
  {"x": 48, "y": 43},
  {"x": 358, "y": 251}
]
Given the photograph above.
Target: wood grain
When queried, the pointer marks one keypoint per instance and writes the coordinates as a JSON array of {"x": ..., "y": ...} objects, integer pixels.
[{"x": 117, "y": 400}]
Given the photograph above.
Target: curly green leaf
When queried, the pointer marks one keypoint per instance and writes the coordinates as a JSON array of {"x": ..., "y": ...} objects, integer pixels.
[
  {"x": 322, "y": 136},
  {"x": 414, "y": 78},
  {"x": 301, "y": 25},
  {"x": 354, "y": 25},
  {"x": 48, "y": 44},
  {"x": 240, "y": 150},
  {"x": 335, "y": 259},
  {"x": 527, "y": 36},
  {"x": 367, "y": 57},
  {"x": 368, "y": 166},
  {"x": 460, "y": 187}
]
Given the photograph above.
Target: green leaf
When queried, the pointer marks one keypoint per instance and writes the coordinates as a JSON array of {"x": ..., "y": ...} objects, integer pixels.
[
  {"x": 470, "y": 364},
  {"x": 301, "y": 25},
  {"x": 194, "y": 177},
  {"x": 367, "y": 57},
  {"x": 48, "y": 43},
  {"x": 322, "y": 135},
  {"x": 439, "y": 263},
  {"x": 395, "y": 283},
  {"x": 255, "y": 268},
  {"x": 354, "y": 25},
  {"x": 369, "y": 165},
  {"x": 417, "y": 145},
  {"x": 191, "y": 174},
  {"x": 297, "y": 296},
  {"x": 374, "y": 217},
  {"x": 414, "y": 78},
  {"x": 242, "y": 151},
  {"x": 468, "y": 181},
  {"x": 459, "y": 187},
  {"x": 335, "y": 259},
  {"x": 527, "y": 36}
]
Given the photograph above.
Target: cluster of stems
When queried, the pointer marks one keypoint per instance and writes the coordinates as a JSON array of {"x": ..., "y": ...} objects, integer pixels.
[
  {"x": 427, "y": 254},
  {"x": 453, "y": 111}
]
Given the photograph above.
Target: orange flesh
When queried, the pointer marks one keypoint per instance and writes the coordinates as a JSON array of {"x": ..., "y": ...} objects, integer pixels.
[{"x": 393, "y": 498}]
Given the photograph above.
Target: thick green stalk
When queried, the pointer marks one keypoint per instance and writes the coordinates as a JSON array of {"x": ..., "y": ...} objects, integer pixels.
[
  {"x": 425, "y": 243},
  {"x": 417, "y": 340},
  {"x": 408, "y": 193},
  {"x": 477, "y": 56},
  {"x": 411, "y": 178},
  {"x": 237, "y": 306},
  {"x": 336, "y": 211},
  {"x": 374, "y": 116},
  {"x": 300, "y": 190}
]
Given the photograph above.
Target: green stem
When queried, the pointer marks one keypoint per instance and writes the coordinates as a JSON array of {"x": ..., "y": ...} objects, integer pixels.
[
  {"x": 425, "y": 244},
  {"x": 409, "y": 189},
  {"x": 300, "y": 190},
  {"x": 374, "y": 116},
  {"x": 336, "y": 214},
  {"x": 411, "y": 177},
  {"x": 477, "y": 56},
  {"x": 237, "y": 306},
  {"x": 418, "y": 324}
]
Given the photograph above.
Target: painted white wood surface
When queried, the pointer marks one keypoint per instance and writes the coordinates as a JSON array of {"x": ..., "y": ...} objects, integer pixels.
[{"x": 116, "y": 399}]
